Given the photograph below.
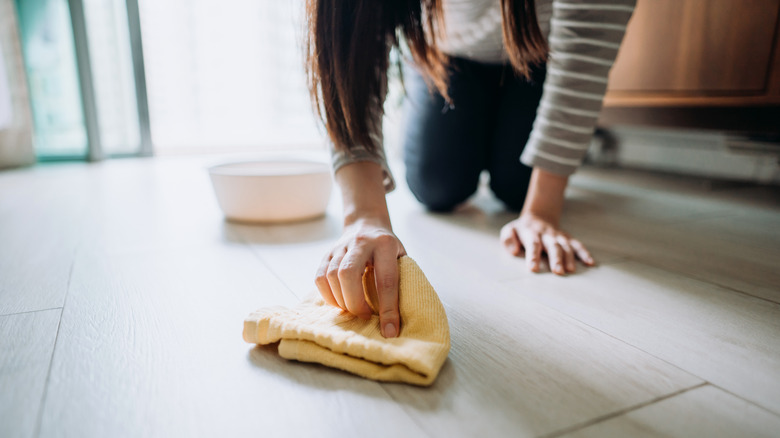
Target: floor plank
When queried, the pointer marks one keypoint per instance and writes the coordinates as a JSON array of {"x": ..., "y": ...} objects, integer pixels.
[
  {"x": 663, "y": 184},
  {"x": 150, "y": 341},
  {"x": 688, "y": 247},
  {"x": 150, "y": 345},
  {"x": 41, "y": 213},
  {"x": 725, "y": 337},
  {"x": 705, "y": 412},
  {"x": 536, "y": 369},
  {"x": 26, "y": 343},
  {"x": 681, "y": 232},
  {"x": 152, "y": 205},
  {"x": 292, "y": 251}
]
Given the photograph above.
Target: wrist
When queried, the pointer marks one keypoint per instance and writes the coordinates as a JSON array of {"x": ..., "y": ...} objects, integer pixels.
[
  {"x": 363, "y": 194},
  {"x": 367, "y": 218},
  {"x": 545, "y": 196}
]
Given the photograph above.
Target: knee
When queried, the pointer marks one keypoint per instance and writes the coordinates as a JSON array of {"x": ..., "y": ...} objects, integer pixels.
[{"x": 440, "y": 194}]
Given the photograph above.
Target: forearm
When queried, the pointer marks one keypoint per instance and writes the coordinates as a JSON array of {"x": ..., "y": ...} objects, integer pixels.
[
  {"x": 545, "y": 195},
  {"x": 363, "y": 193}
]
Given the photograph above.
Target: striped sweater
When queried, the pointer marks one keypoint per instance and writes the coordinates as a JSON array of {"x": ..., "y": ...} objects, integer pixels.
[{"x": 583, "y": 37}]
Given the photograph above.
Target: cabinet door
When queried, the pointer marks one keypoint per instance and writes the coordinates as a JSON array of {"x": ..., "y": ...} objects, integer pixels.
[{"x": 702, "y": 46}]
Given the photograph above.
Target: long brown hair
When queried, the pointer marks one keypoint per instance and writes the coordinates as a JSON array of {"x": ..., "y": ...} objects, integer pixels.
[{"x": 347, "y": 56}]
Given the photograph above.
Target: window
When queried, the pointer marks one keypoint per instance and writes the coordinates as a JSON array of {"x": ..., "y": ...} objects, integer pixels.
[
  {"x": 226, "y": 76},
  {"x": 220, "y": 76}
]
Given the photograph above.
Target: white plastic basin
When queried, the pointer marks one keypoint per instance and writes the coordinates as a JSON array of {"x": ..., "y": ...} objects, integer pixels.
[{"x": 272, "y": 190}]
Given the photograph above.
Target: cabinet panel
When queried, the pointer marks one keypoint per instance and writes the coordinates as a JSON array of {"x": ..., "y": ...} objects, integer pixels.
[{"x": 702, "y": 46}]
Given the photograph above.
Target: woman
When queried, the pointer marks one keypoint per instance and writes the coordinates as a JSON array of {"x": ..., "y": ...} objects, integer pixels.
[{"x": 516, "y": 88}]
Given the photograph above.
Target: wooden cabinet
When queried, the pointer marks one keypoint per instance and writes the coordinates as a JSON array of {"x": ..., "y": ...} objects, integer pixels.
[{"x": 699, "y": 52}]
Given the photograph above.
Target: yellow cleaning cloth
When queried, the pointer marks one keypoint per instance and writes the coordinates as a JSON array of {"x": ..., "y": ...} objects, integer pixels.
[{"x": 318, "y": 332}]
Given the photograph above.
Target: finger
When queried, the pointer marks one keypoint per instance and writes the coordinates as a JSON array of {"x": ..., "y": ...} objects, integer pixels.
[
  {"x": 386, "y": 276},
  {"x": 510, "y": 240},
  {"x": 582, "y": 252},
  {"x": 333, "y": 277},
  {"x": 568, "y": 254},
  {"x": 554, "y": 254},
  {"x": 321, "y": 280},
  {"x": 351, "y": 271},
  {"x": 533, "y": 250}
]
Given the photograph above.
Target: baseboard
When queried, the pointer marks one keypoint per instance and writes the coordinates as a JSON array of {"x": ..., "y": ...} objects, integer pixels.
[{"x": 732, "y": 156}]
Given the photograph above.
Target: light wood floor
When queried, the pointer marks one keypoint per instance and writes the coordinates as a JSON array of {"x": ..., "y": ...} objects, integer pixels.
[{"x": 123, "y": 291}]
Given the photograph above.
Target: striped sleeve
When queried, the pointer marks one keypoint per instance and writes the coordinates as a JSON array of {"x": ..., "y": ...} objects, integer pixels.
[
  {"x": 340, "y": 157},
  {"x": 584, "y": 39}
]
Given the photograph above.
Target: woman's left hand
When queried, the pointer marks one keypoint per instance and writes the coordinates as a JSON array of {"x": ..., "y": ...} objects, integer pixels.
[{"x": 532, "y": 235}]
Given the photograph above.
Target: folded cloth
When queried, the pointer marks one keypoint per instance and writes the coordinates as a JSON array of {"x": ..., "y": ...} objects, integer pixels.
[{"x": 318, "y": 332}]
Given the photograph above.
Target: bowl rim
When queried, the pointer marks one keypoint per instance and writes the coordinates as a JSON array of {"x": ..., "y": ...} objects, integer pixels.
[{"x": 320, "y": 167}]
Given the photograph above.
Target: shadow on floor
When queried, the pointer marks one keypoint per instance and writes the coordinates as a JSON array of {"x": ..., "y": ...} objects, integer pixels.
[
  {"x": 324, "y": 228},
  {"x": 331, "y": 379}
]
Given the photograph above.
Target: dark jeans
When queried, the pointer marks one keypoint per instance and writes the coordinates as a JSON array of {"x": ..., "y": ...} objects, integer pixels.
[{"x": 446, "y": 148}]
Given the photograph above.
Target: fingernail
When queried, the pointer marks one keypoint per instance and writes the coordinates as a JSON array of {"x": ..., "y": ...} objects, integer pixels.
[{"x": 390, "y": 331}]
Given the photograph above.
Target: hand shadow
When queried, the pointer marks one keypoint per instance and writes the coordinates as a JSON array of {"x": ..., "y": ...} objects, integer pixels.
[{"x": 332, "y": 379}]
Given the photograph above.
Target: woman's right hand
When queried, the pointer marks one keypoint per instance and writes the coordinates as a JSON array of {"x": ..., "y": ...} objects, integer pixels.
[{"x": 365, "y": 242}]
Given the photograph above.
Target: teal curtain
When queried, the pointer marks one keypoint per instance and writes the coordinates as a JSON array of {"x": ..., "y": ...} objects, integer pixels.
[
  {"x": 50, "y": 62},
  {"x": 81, "y": 71}
]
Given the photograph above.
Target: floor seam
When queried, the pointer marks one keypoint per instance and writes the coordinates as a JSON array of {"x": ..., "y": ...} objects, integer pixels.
[
  {"x": 754, "y": 403},
  {"x": 706, "y": 381},
  {"x": 29, "y": 311},
  {"x": 631, "y": 258},
  {"x": 414, "y": 418},
  {"x": 39, "y": 420},
  {"x": 622, "y": 341},
  {"x": 692, "y": 218},
  {"x": 620, "y": 412},
  {"x": 262, "y": 261},
  {"x": 683, "y": 274}
]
